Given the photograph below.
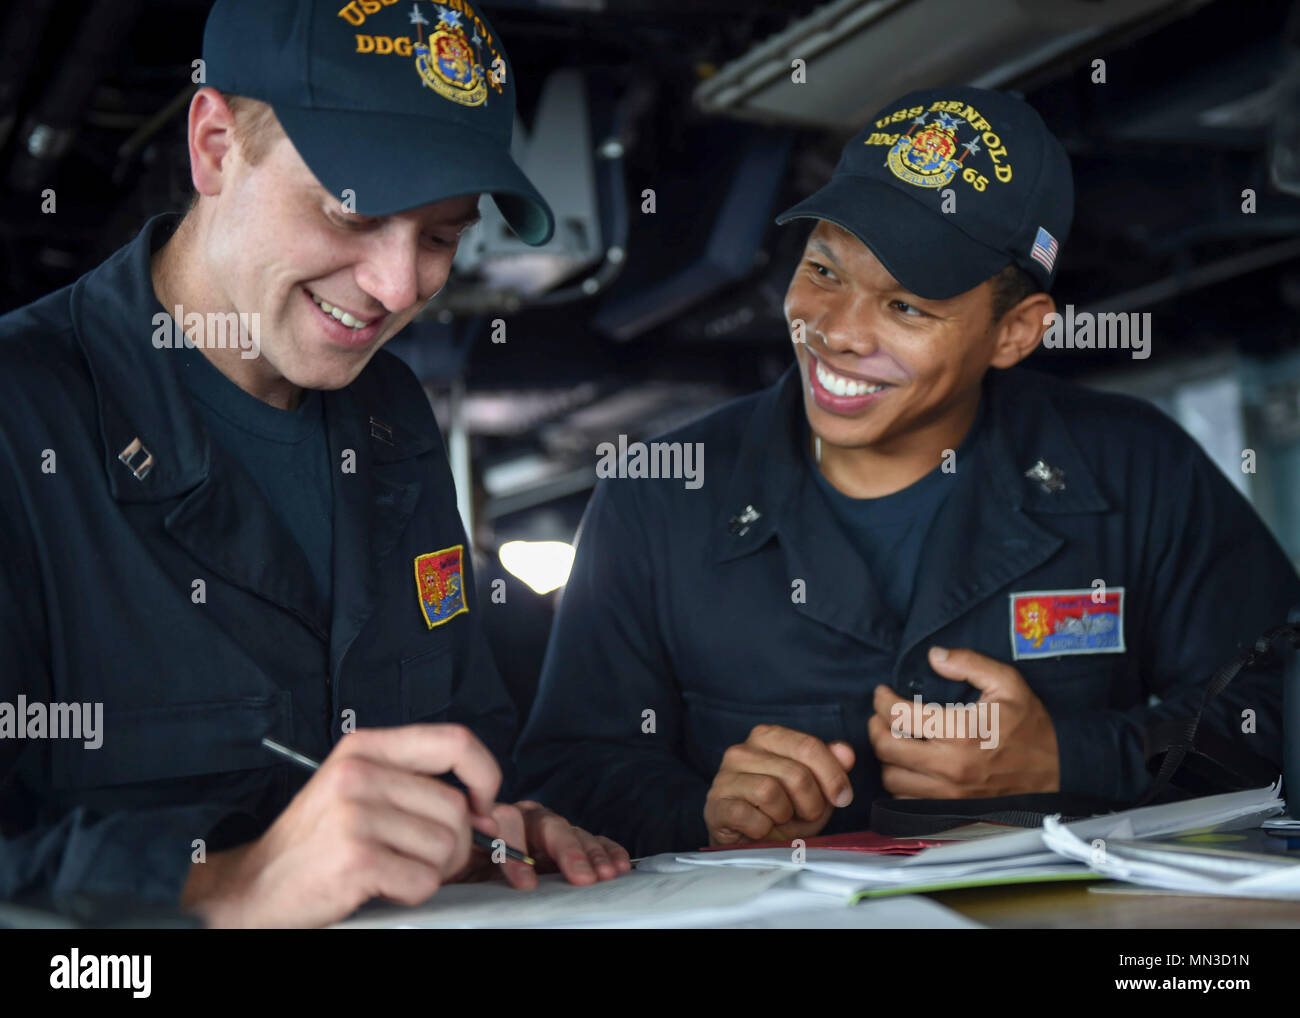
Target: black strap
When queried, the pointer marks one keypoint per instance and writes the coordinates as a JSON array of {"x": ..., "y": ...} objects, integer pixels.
[
  {"x": 1179, "y": 737},
  {"x": 897, "y": 818}
]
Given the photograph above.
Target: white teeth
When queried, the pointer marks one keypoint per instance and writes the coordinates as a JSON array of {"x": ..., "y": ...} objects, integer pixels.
[
  {"x": 841, "y": 386},
  {"x": 337, "y": 313}
]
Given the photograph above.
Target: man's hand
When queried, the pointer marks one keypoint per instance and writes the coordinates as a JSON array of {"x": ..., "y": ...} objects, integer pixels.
[
  {"x": 1020, "y": 756},
  {"x": 777, "y": 785},
  {"x": 554, "y": 844},
  {"x": 369, "y": 824}
]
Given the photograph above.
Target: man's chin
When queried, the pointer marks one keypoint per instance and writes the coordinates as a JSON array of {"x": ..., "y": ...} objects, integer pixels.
[
  {"x": 329, "y": 374},
  {"x": 843, "y": 433},
  {"x": 325, "y": 383}
]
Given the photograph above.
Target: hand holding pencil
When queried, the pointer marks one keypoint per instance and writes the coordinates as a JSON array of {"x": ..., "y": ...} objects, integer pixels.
[{"x": 371, "y": 823}]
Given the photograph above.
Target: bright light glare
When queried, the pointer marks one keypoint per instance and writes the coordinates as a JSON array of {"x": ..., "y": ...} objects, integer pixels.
[{"x": 543, "y": 565}]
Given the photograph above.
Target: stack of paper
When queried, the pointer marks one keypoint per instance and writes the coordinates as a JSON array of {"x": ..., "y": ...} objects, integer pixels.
[
  {"x": 1181, "y": 867},
  {"x": 1018, "y": 857},
  {"x": 779, "y": 887},
  {"x": 850, "y": 876},
  {"x": 685, "y": 897}
]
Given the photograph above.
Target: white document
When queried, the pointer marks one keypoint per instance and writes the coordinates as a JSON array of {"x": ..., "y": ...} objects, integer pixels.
[
  {"x": 788, "y": 906},
  {"x": 740, "y": 888},
  {"x": 1180, "y": 867},
  {"x": 555, "y": 901},
  {"x": 1013, "y": 857},
  {"x": 1226, "y": 812},
  {"x": 849, "y": 873},
  {"x": 691, "y": 898}
]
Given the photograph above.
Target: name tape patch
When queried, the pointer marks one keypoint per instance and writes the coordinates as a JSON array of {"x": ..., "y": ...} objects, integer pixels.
[{"x": 1049, "y": 623}]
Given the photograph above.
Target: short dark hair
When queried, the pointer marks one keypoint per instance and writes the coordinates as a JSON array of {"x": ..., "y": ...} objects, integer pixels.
[{"x": 1010, "y": 286}]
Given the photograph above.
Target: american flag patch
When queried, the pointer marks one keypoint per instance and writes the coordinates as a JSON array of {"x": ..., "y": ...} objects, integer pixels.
[{"x": 1044, "y": 249}]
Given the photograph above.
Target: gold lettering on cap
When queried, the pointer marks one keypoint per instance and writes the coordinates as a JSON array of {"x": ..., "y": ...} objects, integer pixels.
[
  {"x": 356, "y": 12},
  {"x": 382, "y": 45}
]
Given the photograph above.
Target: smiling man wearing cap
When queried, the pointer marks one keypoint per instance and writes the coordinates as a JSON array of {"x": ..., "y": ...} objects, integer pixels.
[
  {"x": 248, "y": 529},
  {"x": 906, "y": 523}
]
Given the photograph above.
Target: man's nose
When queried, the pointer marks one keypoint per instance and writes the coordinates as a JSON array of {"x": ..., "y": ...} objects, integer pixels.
[
  {"x": 847, "y": 328},
  {"x": 390, "y": 270}
]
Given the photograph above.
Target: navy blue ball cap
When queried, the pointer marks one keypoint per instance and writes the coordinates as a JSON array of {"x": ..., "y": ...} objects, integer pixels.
[
  {"x": 948, "y": 186},
  {"x": 402, "y": 102}
]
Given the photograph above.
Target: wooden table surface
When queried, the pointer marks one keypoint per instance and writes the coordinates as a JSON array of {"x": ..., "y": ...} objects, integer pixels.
[{"x": 1071, "y": 905}]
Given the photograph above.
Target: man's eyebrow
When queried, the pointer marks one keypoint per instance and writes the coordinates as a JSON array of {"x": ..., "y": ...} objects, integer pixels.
[
  {"x": 822, "y": 248},
  {"x": 459, "y": 223},
  {"x": 464, "y": 222}
]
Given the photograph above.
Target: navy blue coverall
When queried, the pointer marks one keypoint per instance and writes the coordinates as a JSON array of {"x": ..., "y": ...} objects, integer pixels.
[
  {"x": 676, "y": 605},
  {"x": 99, "y": 559}
]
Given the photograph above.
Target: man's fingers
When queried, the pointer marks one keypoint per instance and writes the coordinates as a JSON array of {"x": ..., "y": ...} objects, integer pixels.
[
  {"x": 730, "y": 820},
  {"x": 582, "y": 857},
  {"x": 903, "y": 717},
  {"x": 777, "y": 777},
  {"x": 553, "y": 838},
  {"x": 955, "y": 762},
  {"x": 445, "y": 847},
  {"x": 431, "y": 749},
  {"x": 939, "y": 724},
  {"x": 915, "y": 754},
  {"x": 995, "y": 679},
  {"x": 792, "y": 785},
  {"x": 510, "y": 831},
  {"x": 891, "y": 748},
  {"x": 404, "y": 880},
  {"x": 782, "y": 834},
  {"x": 617, "y": 854},
  {"x": 905, "y": 784},
  {"x": 361, "y": 779},
  {"x": 766, "y": 793},
  {"x": 598, "y": 854},
  {"x": 844, "y": 754},
  {"x": 809, "y": 751}
]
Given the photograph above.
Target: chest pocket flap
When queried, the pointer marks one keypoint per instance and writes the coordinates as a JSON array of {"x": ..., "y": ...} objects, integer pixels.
[
  {"x": 713, "y": 726},
  {"x": 174, "y": 741}
]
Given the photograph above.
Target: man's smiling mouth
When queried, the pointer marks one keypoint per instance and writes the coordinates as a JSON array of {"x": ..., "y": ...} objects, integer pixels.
[
  {"x": 338, "y": 313},
  {"x": 843, "y": 385}
]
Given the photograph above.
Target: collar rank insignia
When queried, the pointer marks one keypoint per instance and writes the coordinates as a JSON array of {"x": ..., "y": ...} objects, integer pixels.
[
  {"x": 440, "y": 585},
  {"x": 1050, "y": 479},
  {"x": 739, "y": 525},
  {"x": 381, "y": 431}
]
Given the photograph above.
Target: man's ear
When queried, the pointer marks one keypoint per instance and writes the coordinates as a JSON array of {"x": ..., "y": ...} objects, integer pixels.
[
  {"x": 1018, "y": 332},
  {"x": 211, "y": 140}
]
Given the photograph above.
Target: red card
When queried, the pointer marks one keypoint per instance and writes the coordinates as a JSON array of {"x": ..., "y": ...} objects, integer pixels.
[{"x": 858, "y": 841}]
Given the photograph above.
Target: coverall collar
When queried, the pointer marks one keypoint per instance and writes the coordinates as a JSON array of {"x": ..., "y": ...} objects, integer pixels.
[
  {"x": 984, "y": 537},
  {"x": 156, "y": 449},
  {"x": 141, "y": 398}
]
